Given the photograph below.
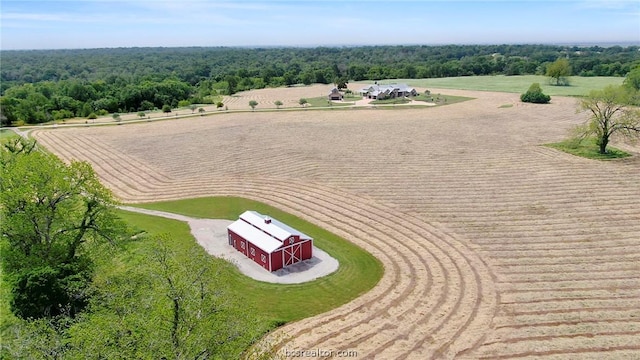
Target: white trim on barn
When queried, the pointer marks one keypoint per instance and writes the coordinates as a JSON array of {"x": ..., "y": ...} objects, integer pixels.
[{"x": 259, "y": 238}]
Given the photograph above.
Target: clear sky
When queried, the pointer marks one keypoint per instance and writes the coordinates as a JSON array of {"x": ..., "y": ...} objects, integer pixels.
[{"x": 28, "y": 24}]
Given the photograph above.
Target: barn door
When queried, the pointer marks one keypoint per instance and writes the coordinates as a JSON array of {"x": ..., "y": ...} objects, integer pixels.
[{"x": 292, "y": 254}]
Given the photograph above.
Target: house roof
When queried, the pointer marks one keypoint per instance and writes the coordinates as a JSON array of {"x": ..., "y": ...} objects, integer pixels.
[
  {"x": 274, "y": 227},
  {"x": 378, "y": 89},
  {"x": 255, "y": 235}
]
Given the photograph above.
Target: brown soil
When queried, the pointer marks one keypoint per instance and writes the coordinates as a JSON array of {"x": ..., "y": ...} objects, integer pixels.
[{"x": 493, "y": 246}]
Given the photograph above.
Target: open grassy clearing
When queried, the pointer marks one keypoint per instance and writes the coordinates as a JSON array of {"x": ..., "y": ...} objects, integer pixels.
[
  {"x": 323, "y": 102},
  {"x": 493, "y": 246},
  {"x": 390, "y": 101},
  {"x": 588, "y": 149},
  {"x": 7, "y": 134},
  {"x": 580, "y": 86},
  {"x": 358, "y": 272}
]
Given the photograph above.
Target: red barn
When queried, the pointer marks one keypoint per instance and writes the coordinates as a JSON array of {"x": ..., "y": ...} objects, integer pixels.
[{"x": 268, "y": 242}]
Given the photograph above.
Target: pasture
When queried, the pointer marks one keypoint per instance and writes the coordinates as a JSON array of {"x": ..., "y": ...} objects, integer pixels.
[
  {"x": 493, "y": 245},
  {"x": 579, "y": 86}
]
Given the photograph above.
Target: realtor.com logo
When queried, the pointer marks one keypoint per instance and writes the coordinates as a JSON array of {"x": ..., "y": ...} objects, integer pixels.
[{"x": 319, "y": 353}]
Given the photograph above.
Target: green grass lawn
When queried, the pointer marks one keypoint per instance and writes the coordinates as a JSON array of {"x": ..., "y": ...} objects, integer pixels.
[
  {"x": 322, "y": 101},
  {"x": 352, "y": 97},
  {"x": 7, "y": 134},
  {"x": 588, "y": 149},
  {"x": 580, "y": 86},
  {"x": 359, "y": 271},
  {"x": 390, "y": 101},
  {"x": 441, "y": 99}
]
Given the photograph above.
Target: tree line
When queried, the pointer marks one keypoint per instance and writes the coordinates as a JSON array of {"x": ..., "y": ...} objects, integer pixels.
[{"x": 43, "y": 85}]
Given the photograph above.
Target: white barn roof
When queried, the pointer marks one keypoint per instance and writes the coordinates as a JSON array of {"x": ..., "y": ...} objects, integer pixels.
[
  {"x": 274, "y": 227},
  {"x": 257, "y": 237}
]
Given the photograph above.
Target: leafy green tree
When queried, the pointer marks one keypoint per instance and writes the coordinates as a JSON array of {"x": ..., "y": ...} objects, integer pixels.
[
  {"x": 278, "y": 103},
  {"x": 141, "y": 114},
  {"x": 232, "y": 84},
  {"x": 49, "y": 212},
  {"x": 559, "y": 70},
  {"x": 52, "y": 290},
  {"x": 116, "y": 117},
  {"x": 175, "y": 306},
  {"x": 8, "y": 107},
  {"x": 610, "y": 114},
  {"x": 253, "y": 104},
  {"x": 166, "y": 109},
  {"x": 193, "y": 108},
  {"x": 341, "y": 83},
  {"x": 201, "y": 111},
  {"x": 535, "y": 95},
  {"x": 146, "y": 105},
  {"x": 219, "y": 105},
  {"x": 36, "y": 339},
  {"x": 92, "y": 116},
  {"x": 289, "y": 78},
  {"x": 307, "y": 77},
  {"x": 303, "y": 102},
  {"x": 632, "y": 82}
]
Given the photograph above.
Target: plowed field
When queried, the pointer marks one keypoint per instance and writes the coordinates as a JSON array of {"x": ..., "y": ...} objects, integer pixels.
[{"x": 494, "y": 247}]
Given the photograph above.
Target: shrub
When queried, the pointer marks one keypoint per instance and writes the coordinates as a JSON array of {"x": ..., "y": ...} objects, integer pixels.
[
  {"x": 535, "y": 95},
  {"x": 61, "y": 114},
  {"x": 52, "y": 290}
]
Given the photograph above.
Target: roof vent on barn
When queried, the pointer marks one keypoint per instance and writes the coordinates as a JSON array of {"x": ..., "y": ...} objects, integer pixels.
[{"x": 267, "y": 220}]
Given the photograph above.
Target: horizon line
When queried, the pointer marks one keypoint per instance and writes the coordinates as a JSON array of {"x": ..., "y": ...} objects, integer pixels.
[{"x": 563, "y": 43}]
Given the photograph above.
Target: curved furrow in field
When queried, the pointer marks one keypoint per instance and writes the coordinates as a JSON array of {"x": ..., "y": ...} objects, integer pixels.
[
  {"x": 136, "y": 169},
  {"x": 506, "y": 240},
  {"x": 529, "y": 277},
  {"x": 108, "y": 160},
  {"x": 509, "y": 334},
  {"x": 394, "y": 225},
  {"x": 536, "y": 241},
  {"x": 103, "y": 169}
]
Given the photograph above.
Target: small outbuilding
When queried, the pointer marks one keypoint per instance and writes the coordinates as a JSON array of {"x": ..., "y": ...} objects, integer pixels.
[
  {"x": 335, "y": 94},
  {"x": 269, "y": 242}
]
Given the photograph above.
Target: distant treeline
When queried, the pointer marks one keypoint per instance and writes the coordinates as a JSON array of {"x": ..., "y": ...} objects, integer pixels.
[{"x": 42, "y": 85}]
